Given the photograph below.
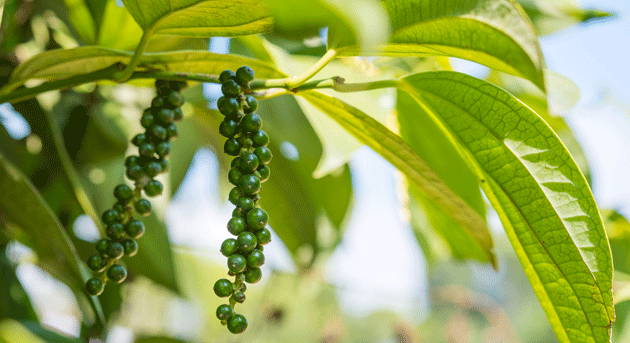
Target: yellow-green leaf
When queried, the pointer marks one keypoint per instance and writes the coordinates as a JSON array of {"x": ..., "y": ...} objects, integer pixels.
[
  {"x": 57, "y": 64},
  {"x": 495, "y": 33},
  {"x": 542, "y": 198},
  {"x": 201, "y": 18},
  {"x": 394, "y": 149}
]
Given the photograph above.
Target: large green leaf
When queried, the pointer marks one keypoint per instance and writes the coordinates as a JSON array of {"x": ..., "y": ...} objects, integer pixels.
[
  {"x": 56, "y": 64},
  {"x": 495, "y": 33},
  {"x": 391, "y": 147},
  {"x": 542, "y": 198},
  {"x": 200, "y": 18},
  {"x": 361, "y": 23},
  {"x": 436, "y": 150},
  {"x": 21, "y": 204}
]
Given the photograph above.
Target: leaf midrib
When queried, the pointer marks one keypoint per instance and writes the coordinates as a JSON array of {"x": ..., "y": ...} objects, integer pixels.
[{"x": 472, "y": 156}]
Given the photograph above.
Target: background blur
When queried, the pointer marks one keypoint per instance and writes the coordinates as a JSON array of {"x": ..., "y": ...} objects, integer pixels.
[{"x": 369, "y": 284}]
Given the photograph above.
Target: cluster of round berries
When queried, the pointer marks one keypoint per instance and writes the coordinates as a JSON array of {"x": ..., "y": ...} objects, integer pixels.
[
  {"x": 249, "y": 169},
  {"x": 153, "y": 147}
]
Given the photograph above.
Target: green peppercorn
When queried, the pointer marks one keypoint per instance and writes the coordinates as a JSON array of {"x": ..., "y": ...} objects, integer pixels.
[
  {"x": 244, "y": 75},
  {"x": 134, "y": 172},
  {"x": 245, "y": 204},
  {"x": 228, "y": 106},
  {"x": 114, "y": 230},
  {"x": 252, "y": 104},
  {"x": 229, "y": 247},
  {"x": 143, "y": 207},
  {"x": 249, "y": 184},
  {"x": 234, "y": 176},
  {"x": 251, "y": 123},
  {"x": 226, "y": 75},
  {"x": 260, "y": 138},
  {"x": 164, "y": 164},
  {"x": 235, "y": 163},
  {"x": 223, "y": 288},
  {"x": 175, "y": 99},
  {"x": 179, "y": 114},
  {"x": 111, "y": 216},
  {"x": 234, "y": 195},
  {"x": 264, "y": 172},
  {"x": 115, "y": 250},
  {"x": 131, "y": 160},
  {"x": 246, "y": 241},
  {"x": 224, "y": 312},
  {"x": 130, "y": 246},
  {"x": 123, "y": 192},
  {"x": 146, "y": 149},
  {"x": 230, "y": 89},
  {"x": 147, "y": 120},
  {"x": 120, "y": 207},
  {"x": 157, "y": 102},
  {"x": 166, "y": 115},
  {"x": 117, "y": 273},
  {"x": 232, "y": 147},
  {"x": 171, "y": 132},
  {"x": 152, "y": 169},
  {"x": 94, "y": 286},
  {"x": 134, "y": 228},
  {"x": 264, "y": 154},
  {"x": 102, "y": 244},
  {"x": 263, "y": 236},
  {"x": 237, "y": 324},
  {"x": 248, "y": 162},
  {"x": 163, "y": 149},
  {"x": 236, "y": 263},
  {"x": 159, "y": 132},
  {"x": 228, "y": 128},
  {"x": 96, "y": 263},
  {"x": 257, "y": 218},
  {"x": 239, "y": 297},
  {"x": 153, "y": 188},
  {"x": 236, "y": 225},
  {"x": 255, "y": 259},
  {"x": 253, "y": 275},
  {"x": 139, "y": 139}
]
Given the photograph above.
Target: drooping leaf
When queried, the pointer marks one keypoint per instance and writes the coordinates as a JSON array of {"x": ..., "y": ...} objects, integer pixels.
[
  {"x": 82, "y": 20},
  {"x": 495, "y": 33},
  {"x": 117, "y": 29},
  {"x": 426, "y": 139},
  {"x": 200, "y": 18},
  {"x": 56, "y": 64},
  {"x": 392, "y": 147},
  {"x": 552, "y": 16},
  {"x": 24, "y": 206},
  {"x": 361, "y": 23},
  {"x": 544, "y": 202}
]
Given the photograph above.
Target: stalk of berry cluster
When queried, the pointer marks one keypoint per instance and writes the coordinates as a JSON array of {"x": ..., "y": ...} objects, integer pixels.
[
  {"x": 154, "y": 146},
  {"x": 248, "y": 143}
]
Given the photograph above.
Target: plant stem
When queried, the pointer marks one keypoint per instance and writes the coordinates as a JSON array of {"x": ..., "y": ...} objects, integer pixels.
[
  {"x": 296, "y": 81},
  {"x": 126, "y": 73},
  {"x": 271, "y": 88}
]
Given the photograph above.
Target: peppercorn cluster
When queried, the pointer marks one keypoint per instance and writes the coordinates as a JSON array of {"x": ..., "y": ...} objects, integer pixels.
[
  {"x": 248, "y": 143},
  {"x": 154, "y": 146}
]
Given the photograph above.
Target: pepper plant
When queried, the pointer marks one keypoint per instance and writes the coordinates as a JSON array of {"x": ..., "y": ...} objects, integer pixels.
[{"x": 453, "y": 136}]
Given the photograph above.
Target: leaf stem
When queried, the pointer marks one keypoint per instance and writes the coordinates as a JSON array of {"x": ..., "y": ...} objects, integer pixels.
[
  {"x": 296, "y": 81},
  {"x": 126, "y": 73}
]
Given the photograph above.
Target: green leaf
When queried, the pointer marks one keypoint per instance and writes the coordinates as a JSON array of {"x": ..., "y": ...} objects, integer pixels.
[
  {"x": 552, "y": 16},
  {"x": 391, "y": 147},
  {"x": 200, "y": 18},
  {"x": 495, "y": 33},
  {"x": 82, "y": 20},
  {"x": 426, "y": 139},
  {"x": 14, "y": 301},
  {"x": 57, "y": 64},
  {"x": 361, "y": 23},
  {"x": 118, "y": 30},
  {"x": 24, "y": 206},
  {"x": 542, "y": 198}
]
